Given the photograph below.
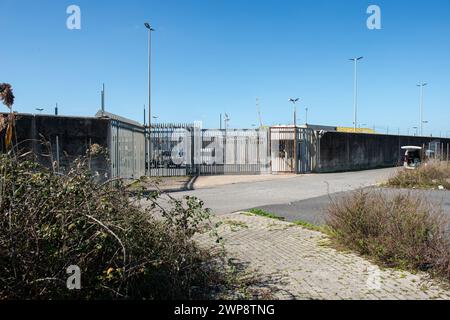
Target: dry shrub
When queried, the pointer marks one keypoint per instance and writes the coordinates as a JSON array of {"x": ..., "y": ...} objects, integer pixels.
[
  {"x": 49, "y": 222},
  {"x": 430, "y": 175},
  {"x": 396, "y": 230}
]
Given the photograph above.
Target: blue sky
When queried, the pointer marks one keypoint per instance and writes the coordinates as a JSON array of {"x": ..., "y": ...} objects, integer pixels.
[{"x": 216, "y": 56}]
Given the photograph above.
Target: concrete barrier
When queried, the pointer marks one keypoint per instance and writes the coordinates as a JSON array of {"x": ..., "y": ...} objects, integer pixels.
[
  {"x": 341, "y": 151},
  {"x": 53, "y": 138}
]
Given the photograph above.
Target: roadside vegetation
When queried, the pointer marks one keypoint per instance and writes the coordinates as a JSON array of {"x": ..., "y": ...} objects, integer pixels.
[
  {"x": 301, "y": 223},
  {"x": 432, "y": 175},
  {"x": 398, "y": 231},
  {"x": 401, "y": 231},
  {"x": 263, "y": 213},
  {"x": 50, "y": 221},
  {"x": 310, "y": 226}
]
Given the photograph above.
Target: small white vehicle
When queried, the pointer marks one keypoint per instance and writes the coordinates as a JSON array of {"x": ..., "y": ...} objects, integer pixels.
[{"x": 413, "y": 157}]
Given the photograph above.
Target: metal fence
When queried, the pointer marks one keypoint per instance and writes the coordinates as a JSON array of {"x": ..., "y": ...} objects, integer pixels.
[
  {"x": 234, "y": 152},
  {"x": 437, "y": 150},
  {"x": 127, "y": 149},
  {"x": 171, "y": 150},
  {"x": 185, "y": 149},
  {"x": 284, "y": 154}
]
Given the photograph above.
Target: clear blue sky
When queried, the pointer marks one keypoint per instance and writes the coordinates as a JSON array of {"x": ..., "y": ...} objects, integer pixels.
[{"x": 212, "y": 56}]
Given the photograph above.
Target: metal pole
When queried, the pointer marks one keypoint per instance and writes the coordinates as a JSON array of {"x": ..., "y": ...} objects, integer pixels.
[
  {"x": 306, "y": 117},
  {"x": 146, "y": 162},
  {"x": 150, "y": 29},
  {"x": 355, "y": 119},
  {"x": 149, "y": 101},
  {"x": 421, "y": 110},
  {"x": 295, "y": 140},
  {"x": 294, "y": 101},
  {"x": 149, "y": 77},
  {"x": 103, "y": 100},
  {"x": 355, "y": 115},
  {"x": 421, "y": 85}
]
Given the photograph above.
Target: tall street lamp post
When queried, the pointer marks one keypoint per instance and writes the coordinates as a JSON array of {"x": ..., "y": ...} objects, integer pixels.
[
  {"x": 150, "y": 30},
  {"x": 294, "y": 101},
  {"x": 355, "y": 92},
  {"x": 421, "y": 85}
]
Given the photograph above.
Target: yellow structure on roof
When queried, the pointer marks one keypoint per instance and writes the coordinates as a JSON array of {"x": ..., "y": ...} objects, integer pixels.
[{"x": 358, "y": 130}]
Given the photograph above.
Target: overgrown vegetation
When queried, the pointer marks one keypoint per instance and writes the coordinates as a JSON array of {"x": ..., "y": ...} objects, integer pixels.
[
  {"x": 398, "y": 231},
  {"x": 263, "y": 213},
  {"x": 431, "y": 175},
  {"x": 311, "y": 226},
  {"x": 50, "y": 221}
]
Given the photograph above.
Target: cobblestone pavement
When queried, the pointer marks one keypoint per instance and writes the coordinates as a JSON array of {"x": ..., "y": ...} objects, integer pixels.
[{"x": 297, "y": 263}]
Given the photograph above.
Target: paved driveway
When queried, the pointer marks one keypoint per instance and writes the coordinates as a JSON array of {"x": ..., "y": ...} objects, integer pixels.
[{"x": 236, "y": 197}]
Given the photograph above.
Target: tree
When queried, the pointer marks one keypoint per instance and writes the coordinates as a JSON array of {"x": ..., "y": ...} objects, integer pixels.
[{"x": 6, "y": 95}]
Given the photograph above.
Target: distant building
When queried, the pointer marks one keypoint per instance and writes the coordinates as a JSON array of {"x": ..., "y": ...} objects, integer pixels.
[
  {"x": 317, "y": 127},
  {"x": 357, "y": 130}
]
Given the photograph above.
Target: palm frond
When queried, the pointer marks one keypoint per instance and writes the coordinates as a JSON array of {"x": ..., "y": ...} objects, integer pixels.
[{"x": 6, "y": 94}]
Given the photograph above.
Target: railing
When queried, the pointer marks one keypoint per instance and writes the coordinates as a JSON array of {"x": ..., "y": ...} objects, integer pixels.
[{"x": 182, "y": 149}]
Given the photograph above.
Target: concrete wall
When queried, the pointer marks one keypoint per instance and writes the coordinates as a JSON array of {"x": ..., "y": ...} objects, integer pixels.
[
  {"x": 349, "y": 151},
  {"x": 38, "y": 133},
  {"x": 335, "y": 151}
]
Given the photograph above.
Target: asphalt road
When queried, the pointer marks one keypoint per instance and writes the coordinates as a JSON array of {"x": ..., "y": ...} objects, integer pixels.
[
  {"x": 284, "y": 193},
  {"x": 314, "y": 210}
]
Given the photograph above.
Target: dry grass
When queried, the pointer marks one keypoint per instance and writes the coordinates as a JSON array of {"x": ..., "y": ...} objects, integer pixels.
[
  {"x": 399, "y": 231},
  {"x": 430, "y": 175}
]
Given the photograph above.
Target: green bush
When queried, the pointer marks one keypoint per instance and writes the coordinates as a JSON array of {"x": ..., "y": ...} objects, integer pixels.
[
  {"x": 398, "y": 231},
  {"x": 49, "y": 222}
]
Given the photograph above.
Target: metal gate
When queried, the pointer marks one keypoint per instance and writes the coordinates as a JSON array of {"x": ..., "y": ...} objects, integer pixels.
[
  {"x": 184, "y": 149},
  {"x": 237, "y": 151},
  {"x": 307, "y": 150},
  {"x": 171, "y": 150},
  {"x": 282, "y": 149},
  {"x": 284, "y": 153}
]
